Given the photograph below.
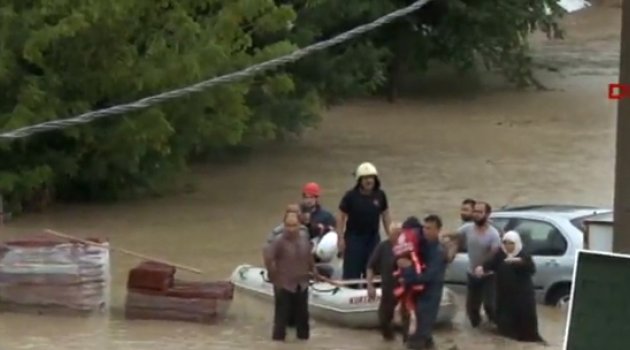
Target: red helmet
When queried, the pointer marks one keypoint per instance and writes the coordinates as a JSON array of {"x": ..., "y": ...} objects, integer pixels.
[{"x": 311, "y": 189}]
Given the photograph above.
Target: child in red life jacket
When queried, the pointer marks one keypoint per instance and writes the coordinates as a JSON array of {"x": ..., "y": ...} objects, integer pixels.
[{"x": 408, "y": 247}]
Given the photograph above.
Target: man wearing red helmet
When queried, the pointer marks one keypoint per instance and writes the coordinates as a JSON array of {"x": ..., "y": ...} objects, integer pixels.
[{"x": 320, "y": 220}]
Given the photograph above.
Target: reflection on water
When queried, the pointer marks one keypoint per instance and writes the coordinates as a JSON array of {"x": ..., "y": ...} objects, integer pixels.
[{"x": 503, "y": 146}]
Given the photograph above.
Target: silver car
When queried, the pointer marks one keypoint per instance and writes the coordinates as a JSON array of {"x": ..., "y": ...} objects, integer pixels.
[{"x": 552, "y": 234}]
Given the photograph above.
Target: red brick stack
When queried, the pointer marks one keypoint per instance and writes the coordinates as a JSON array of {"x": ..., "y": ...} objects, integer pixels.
[{"x": 153, "y": 293}]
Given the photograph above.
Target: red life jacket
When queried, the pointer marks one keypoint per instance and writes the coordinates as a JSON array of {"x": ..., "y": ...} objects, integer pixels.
[{"x": 408, "y": 246}]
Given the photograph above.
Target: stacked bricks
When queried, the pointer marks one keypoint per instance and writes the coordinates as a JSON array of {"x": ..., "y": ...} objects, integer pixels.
[
  {"x": 154, "y": 293},
  {"x": 49, "y": 275}
]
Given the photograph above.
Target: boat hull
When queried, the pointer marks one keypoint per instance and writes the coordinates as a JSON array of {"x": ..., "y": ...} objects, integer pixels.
[{"x": 338, "y": 305}]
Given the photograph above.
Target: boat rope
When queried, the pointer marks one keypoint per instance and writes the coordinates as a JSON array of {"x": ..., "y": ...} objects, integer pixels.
[{"x": 250, "y": 71}]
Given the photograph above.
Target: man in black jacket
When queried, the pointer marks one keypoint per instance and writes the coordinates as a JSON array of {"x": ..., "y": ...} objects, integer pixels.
[{"x": 436, "y": 257}]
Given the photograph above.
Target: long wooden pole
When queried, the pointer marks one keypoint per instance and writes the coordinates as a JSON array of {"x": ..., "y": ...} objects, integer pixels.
[
  {"x": 124, "y": 251},
  {"x": 621, "y": 230}
]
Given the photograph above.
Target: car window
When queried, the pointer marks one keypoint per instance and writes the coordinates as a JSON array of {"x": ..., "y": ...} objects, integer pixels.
[
  {"x": 498, "y": 223},
  {"x": 541, "y": 238}
]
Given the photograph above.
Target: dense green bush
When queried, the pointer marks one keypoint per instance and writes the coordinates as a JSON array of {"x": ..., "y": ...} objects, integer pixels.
[{"x": 59, "y": 58}]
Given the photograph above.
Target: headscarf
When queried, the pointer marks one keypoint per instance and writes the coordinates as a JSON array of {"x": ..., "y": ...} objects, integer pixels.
[{"x": 514, "y": 237}]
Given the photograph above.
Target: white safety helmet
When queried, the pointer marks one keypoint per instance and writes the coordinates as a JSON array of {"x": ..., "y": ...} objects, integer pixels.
[
  {"x": 327, "y": 247},
  {"x": 365, "y": 169}
]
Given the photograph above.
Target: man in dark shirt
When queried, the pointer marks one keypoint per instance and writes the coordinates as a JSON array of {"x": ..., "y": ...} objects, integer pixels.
[
  {"x": 436, "y": 257},
  {"x": 382, "y": 263},
  {"x": 360, "y": 212},
  {"x": 290, "y": 264}
]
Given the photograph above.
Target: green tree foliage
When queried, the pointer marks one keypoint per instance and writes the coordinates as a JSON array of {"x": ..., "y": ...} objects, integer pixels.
[{"x": 59, "y": 58}]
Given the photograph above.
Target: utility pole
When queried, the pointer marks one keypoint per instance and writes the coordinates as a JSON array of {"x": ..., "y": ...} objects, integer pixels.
[
  {"x": 1, "y": 210},
  {"x": 621, "y": 233}
]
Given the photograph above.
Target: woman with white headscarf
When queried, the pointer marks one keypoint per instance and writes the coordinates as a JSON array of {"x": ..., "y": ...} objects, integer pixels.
[{"x": 515, "y": 297}]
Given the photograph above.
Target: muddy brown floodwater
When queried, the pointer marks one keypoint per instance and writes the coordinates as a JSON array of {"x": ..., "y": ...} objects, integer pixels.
[{"x": 501, "y": 145}]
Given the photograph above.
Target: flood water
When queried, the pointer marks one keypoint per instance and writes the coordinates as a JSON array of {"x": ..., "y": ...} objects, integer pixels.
[{"x": 500, "y": 145}]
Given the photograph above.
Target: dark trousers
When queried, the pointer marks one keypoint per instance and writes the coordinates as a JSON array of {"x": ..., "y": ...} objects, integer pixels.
[
  {"x": 326, "y": 271},
  {"x": 359, "y": 247},
  {"x": 480, "y": 291},
  {"x": 290, "y": 307},
  {"x": 427, "y": 308},
  {"x": 386, "y": 309}
]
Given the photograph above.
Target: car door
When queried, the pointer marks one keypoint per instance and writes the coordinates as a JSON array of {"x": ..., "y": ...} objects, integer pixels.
[
  {"x": 457, "y": 272},
  {"x": 547, "y": 245}
]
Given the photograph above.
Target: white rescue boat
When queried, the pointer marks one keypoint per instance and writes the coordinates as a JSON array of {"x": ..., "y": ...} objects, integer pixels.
[{"x": 344, "y": 306}]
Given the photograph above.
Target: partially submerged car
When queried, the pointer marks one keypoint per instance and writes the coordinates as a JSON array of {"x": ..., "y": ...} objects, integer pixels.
[{"x": 552, "y": 234}]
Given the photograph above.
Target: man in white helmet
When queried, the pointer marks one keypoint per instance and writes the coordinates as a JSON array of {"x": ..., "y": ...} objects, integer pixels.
[{"x": 361, "y": 211}]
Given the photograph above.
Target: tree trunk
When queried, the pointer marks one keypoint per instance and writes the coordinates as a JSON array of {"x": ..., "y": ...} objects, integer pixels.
[
  {"x": 394, "y": 78},
  {"x": 396, "y": 68},
  {"x": 621, "y": 240}
]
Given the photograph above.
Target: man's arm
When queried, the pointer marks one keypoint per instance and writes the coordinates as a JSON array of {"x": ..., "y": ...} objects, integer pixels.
[
  {"x": 374, "y": 263},
  {"x": 495, "y": 245},
  {"x": 342, "y": 215},
  {"x": 454, "y": 235},
  {"x": 457, "y": 236},
  {"x": 435, "y": 266},
  {"x": 387, "y": 221},
  {"x": 269, "y": 258},
  {"x": 451, "y": 249},
  {"x": 385, "y": 215}
]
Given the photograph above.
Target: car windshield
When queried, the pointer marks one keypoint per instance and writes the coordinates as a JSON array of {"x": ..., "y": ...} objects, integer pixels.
[{"x": 579, "y": 222}]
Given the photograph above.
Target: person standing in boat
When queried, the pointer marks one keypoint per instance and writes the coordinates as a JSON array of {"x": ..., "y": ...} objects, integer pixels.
[
  {"x": 516, "y": 301},
  {"x": 436, "y": 258},
  {"x": 321, "y": 221},
  {"x": 382, "y": 263},
  {"x": 290, "y": 266},
  {"x": 361, "y": 211},
  {"x": 318, "y": 221}
]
